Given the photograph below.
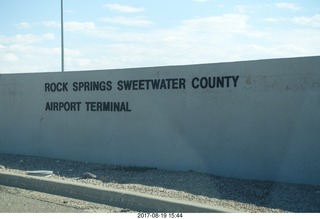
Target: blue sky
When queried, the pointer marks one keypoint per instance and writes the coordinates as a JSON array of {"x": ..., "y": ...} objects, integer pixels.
[{"x": 104, "y": 34}]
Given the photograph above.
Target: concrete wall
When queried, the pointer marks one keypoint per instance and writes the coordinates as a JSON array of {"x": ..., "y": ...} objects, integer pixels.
[{"x": 260, "y": 120}]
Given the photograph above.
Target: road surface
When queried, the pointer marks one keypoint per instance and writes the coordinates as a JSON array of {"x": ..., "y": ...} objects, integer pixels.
[{"x": 15, "y": 200}]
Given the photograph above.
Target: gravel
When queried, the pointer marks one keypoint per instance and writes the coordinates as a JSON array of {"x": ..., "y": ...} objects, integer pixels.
[{"x": 238, "y": 194}]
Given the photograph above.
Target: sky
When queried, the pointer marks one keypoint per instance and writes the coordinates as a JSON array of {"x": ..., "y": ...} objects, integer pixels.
[{"x": 105, "y": 34}]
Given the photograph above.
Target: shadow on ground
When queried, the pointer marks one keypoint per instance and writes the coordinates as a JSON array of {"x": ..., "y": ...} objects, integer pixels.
[{"x": 285, "y": 196}]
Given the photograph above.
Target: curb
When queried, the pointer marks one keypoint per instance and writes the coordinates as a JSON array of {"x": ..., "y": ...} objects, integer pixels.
[{"x": 114, "y": 197}]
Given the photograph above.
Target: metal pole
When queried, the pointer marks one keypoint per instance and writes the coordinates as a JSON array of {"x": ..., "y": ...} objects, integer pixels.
[{"x": 62, "y": 43}]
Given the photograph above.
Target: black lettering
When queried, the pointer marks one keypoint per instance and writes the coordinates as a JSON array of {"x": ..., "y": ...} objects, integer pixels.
[
  {"x": 135, "y": 85},
  {"x": 168, "y": 83},
  {"x": 47, "y": 87},
  {"x": 123, "y": 107},
  {"x": 72, "y": 106},
  {"x": 75, "y": 86},
  {"x": 48, "y": 106},
  {"x": 235, "y": 80},
  {"x": 109, "y": 85},
  {"x": 141, "y": 84},
  {"x": 97, "y": 85},
  {"x": 182, "y": 83},
  {"x": 99, "y": 106},
  {"x": 127, "y": 85},
  {"x": 155, "y": 84},
  {"x": 88, "y": 105},
  {"x": 194, "y": 81},
  {"x": 62, "y": 106},
  {"x": 59, "y": 87},
  {"x": 64, "y": 86},
  {"x": 116, "y": 106},
  {"x": 163, "y": 84},
  {"x": 175, "y": 83},
  {"x": 102, "y": 86},
  {"x": 228, "y": 78},
  {"x": 86, "y": 86},
  {"x": 127, "y": 107},
  {"x": 53, "y": 87},
  {"x": 80, "y": 85},
  {"x": 204, "y": 82},
  {"x": 148, "y": 82},
  {"x": 212, "y": 82},
  {"x": 78, "y": 106},
  {"x": 120, "y": 85},
  {"x": 106, "y": 106},
  {"x": 55, "y": 106},
  {"x": 93, "y": 106},
  {"x": 92, "y": 86},
  {"x": 66, "y": 106},
  {"x": 220, "y": 81}
]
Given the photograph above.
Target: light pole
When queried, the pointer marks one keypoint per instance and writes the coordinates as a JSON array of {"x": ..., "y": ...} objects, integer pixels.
[{"x": 62, "y": 43}]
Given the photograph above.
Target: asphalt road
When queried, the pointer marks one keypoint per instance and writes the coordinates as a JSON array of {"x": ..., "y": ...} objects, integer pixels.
[{"x": 14, "y": 200}]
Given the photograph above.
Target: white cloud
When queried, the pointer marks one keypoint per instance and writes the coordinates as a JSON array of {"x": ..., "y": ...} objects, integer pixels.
[
  {"x": 289, "y": 43},
  {"x": 130, "y": 21},
  {"x": 50, "y": 23},
  {"x": 243, "y": 8},
  {"x": 71, "y": 25},
  {"x": 227, "y": 23},
  {"x": 79, "y": 26},
  {"x": 246, "y": 9},
  {"x": 10, "y": 57},
  {"x": 199, "y": 40},
  {"x": 48, "y": 36},
  {"x": 308, "y": 21},
  {"x": 23, "y": 25},
  {"x": 69, "y": 11},
  {"x": 26, "y": 38},
  {"x": 289, "y": 6},
  {"x": 275, "y": 20},
  {"x": 228, "y": 37},
  {"x": 28, "y": 58},
  {"x": 123, "y": 8},
  {"x": 201, "y": 1},
  {"x": 313, "y": 21}
]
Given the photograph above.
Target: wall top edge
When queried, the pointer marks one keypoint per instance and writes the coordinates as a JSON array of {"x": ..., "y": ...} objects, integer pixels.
[{"x": 168, "y": 66}]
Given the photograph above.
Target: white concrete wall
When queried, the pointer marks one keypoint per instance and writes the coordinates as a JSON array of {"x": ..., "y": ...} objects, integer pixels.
[{"x": 264, "y": 125}]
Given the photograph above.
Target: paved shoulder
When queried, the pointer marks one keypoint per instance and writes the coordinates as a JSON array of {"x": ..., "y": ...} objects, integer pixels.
[
  {"x": 15, "y": 200},
  {"x": 108, "y": 196}
]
